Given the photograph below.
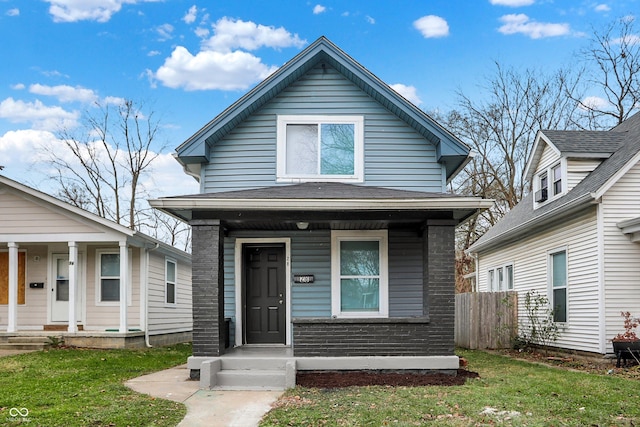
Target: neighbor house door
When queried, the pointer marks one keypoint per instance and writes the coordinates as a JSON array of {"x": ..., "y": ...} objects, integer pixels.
[
  {"x": 60, "y": 289},
  {"x": 265, "y": 299}
]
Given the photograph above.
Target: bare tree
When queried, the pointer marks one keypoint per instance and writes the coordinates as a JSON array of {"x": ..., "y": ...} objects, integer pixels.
[
  {"x": 102, "y": 164},
  {"x": 613, "y": 70}
]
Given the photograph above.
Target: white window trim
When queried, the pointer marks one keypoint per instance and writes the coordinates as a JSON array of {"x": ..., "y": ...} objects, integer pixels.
[
  {"x": 550, "y": 180},
  {"x": 494, "y": 286},
  {"x": 550, "y": 287},
  {"x": 98, "y": 286},
  {"x": 382, "y": 236},
  {"x": 173, "y": 304},
  {"x": 358, "y": 149}
]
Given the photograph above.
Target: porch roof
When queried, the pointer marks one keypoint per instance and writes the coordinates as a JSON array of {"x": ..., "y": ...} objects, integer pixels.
[{"x": 321, "y": 202}]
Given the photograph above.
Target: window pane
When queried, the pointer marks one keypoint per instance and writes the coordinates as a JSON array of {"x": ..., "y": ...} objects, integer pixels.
[
  {"x": 359, "y": 258},
  {"x": 500, "y": 280},
  {"x": 560, "y": 305},
  {"x": 337, "y": 149},
  {"x": 62, "y": 290},
  {"x": 302, "y": 149},
  {"x": 110, "y": 265},
  {"x": 110, "y": 290},
  {"x": 509, "y": 271},
  {"x": 171, "y": 293},
  {"x": 359, "y": 294},
  {"x": 559, "y": 269},
  {"x": 491, "y": 280},
  {"x": 171, "y": 271}
]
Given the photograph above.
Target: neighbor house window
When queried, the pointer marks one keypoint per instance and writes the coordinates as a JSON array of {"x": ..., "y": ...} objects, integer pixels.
[
  {"x": 327, "y": 148},
  {"x": 109, "y": 280},
  {"x": 500, "y": 278},
  {"x": 558, "y": 265},
  {"x": 170, "y": 282},
  {"x": 359, "y": 283},
  {"x": 4, "y": 277},
  {"x": 556, "y": 173}
]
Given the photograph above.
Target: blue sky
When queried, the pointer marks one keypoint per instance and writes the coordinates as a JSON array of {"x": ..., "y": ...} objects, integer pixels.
[{"x": 189, "y": 60}]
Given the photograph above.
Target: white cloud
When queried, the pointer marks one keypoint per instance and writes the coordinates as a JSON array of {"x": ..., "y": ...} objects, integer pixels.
[
  {"x": 318, "y": 9},
  {"x": 82, "y": 10},
  {"x": 166, "y": 178},
  {"x": 409, "y": 92},
  {"x": 65, "y": 93},
  {"x": 512, "y": 3},
  {"x": 212, "y": 70},
  {"x": 602, "y": 8},
  {"x": 370, "y": 20},
  {"x": 40, "y": 116},
  {"x": 631, "y": 39},
  {"x": 432, "y": 26},
  {"x": 165, "y": 31},
  {"x": 522, "y": 24},
  {"x": 13, "y": 12},
  {"x": 229, "y": 34},
  {"x": 190, "y": 16},
  {"x": 18, "y": 86},
  {"x": 594, "y": 102},
  {"x": 20, "y": 148}
]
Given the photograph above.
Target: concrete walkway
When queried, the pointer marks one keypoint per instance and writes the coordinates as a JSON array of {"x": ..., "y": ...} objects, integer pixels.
[{"x": 206, "y": 407}]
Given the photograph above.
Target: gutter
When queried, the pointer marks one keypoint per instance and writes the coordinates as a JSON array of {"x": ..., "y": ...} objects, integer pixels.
[{"x": 548, "y": 216}]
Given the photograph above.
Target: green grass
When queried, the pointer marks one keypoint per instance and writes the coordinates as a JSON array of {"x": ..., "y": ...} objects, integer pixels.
[
  {"x": 76, "y": 387},
  {"x": 541, "y": 396}
]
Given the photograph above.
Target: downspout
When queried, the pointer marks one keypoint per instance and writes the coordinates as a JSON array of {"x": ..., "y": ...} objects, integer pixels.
[{"x": 146, "y": 294}]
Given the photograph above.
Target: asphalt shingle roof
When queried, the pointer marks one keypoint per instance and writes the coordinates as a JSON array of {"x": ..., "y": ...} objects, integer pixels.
[{"x": 626, "y": 135}]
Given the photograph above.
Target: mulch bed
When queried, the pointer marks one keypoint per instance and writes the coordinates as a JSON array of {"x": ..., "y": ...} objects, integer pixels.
[{"x": 330, "y": 379}]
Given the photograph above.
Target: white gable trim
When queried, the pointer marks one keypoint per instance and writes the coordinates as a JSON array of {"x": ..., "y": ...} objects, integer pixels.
[{"x": 536, "y": 153}]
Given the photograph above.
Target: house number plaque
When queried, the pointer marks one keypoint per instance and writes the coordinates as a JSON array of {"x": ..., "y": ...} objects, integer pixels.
[{"x": 303, "y": 278}]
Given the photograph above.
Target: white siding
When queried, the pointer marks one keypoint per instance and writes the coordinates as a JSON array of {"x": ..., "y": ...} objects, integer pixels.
[
  {"x": 530, "y": 267},
  {"x": 578, "y": 169},
  {"x": 548, "y": 158},
  {"x": 622, "y": 258},
  {"x": 168, "y": 318}
]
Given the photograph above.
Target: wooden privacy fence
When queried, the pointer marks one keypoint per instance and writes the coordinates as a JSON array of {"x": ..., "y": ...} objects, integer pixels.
[{"x": 486, "y": 319}]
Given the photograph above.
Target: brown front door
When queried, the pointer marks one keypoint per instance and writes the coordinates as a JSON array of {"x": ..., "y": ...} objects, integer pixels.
[{"x": 265, "y": 299}]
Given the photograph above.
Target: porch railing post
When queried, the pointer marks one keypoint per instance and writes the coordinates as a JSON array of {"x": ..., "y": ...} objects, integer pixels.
[
  {"x": 124, "y": 284},
  {"x": 12, "y": 314},
  {"x": 73, "y": 277}
]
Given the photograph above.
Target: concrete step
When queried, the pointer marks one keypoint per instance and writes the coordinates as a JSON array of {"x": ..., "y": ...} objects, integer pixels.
[
  {"x": 260, "y": 363},
  {"x": 23, "y": 346},
  {"x": 250, "y": 379},
  {"x": 28, "y": 340}
]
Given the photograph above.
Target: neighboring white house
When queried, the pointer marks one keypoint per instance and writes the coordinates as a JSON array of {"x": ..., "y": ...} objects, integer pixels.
[
  {"x": 575, "y": 238},
  {"x": 97, "y": 283}
]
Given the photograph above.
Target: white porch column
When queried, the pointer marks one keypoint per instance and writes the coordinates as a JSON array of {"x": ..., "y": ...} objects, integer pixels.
[
  {"x": 73, "y": 279},
  {"x": 124, "y": 285},
  {"x": 12, "y": 320}
]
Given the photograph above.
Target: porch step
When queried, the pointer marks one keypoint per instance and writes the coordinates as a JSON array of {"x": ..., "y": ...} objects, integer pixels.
[
  {"x": 60, "y": 328},
  {"x": 24, "y": 346},
  {"x": 251, "y": 374},
  {"x": 27, "y": 340}
]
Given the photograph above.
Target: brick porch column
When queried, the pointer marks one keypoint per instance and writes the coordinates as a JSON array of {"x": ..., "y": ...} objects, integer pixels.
[
  {"x": 439, "y": 285},
  {"x": 207, "y": 287}
]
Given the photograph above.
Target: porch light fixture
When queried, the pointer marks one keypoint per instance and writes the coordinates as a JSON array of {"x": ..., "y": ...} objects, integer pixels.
[{"x": 302, "y": 225}]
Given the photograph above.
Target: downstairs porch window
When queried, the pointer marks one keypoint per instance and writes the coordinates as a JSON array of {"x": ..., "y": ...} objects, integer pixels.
[
  {"x": 359, "y": 274},
  {"x": 110, "y": 277}
]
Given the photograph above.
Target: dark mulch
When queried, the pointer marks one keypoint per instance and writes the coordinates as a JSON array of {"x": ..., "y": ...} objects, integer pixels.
[{"x": 366, "y": 378}]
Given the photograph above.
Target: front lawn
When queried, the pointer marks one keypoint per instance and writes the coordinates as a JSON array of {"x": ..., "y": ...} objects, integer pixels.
[
  {"x": 509, "y": 392},
  {"x": 79, "y": 387}
]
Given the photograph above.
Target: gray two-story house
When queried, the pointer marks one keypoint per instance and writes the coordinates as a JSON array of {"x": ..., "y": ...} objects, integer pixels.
[{"x": 323, "y": 226}]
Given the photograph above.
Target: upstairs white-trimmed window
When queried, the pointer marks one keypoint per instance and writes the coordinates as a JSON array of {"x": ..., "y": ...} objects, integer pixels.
[
  {"x": 549, "y": 184},
  {"x": 170, "y": 281},
  {"x": 320, "y": 148},
  {"x": 500, "y": 278},
  {"x": 359, "y": 283}
]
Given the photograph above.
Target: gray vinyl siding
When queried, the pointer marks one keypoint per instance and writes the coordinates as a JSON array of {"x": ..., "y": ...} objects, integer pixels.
[
  {"x": 396, "y": 156},
  {"x": 311, "y": 254}
]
